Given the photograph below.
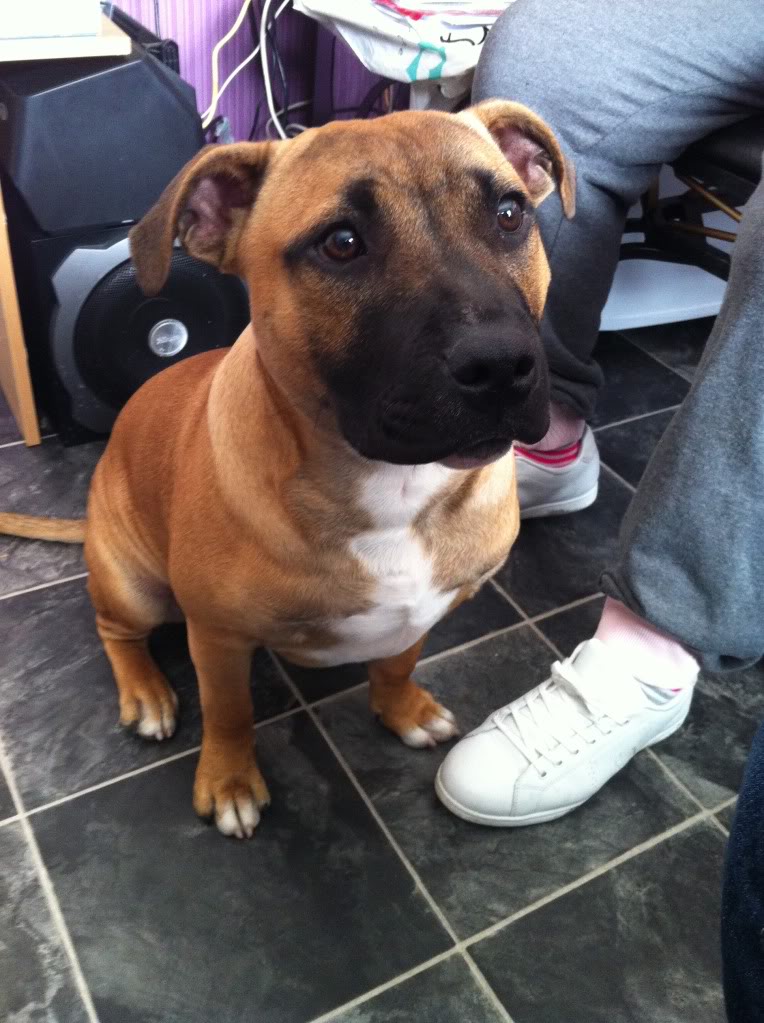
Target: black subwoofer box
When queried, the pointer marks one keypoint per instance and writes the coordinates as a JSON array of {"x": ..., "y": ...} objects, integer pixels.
[{"x": 86, "y": 147}]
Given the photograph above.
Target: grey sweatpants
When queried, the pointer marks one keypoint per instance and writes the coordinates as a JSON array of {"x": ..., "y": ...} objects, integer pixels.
[{"x": 626, "y": 87}]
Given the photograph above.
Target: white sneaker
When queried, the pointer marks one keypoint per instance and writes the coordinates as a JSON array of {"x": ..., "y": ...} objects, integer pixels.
[
  {"x": 549, "y": 490},
  {"x": 548, "y": 752}
]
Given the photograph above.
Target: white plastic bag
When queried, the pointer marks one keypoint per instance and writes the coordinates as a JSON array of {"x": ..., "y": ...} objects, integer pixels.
[{"x": 410, "y": 42}]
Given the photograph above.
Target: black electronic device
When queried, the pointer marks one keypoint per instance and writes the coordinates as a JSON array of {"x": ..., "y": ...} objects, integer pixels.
[
  {"x": 86, "y": 147},
  {"x": 165, "y": 50}
]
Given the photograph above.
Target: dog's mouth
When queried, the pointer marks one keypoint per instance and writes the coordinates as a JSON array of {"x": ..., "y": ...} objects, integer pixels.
[{"x": 475, "y": 456}]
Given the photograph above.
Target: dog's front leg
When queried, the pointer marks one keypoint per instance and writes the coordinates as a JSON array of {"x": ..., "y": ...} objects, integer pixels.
[
  {"x": 402, "y": 706},
  {"x": 228, "y": 783}
]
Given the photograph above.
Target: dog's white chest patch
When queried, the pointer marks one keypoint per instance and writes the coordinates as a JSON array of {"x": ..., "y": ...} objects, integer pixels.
[{"x": 406, "y": 603}]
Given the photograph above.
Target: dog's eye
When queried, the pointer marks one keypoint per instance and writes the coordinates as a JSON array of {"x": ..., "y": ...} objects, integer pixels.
[
  {"x": 341, "y": 245},
  {"x": 510, "y": 214}
]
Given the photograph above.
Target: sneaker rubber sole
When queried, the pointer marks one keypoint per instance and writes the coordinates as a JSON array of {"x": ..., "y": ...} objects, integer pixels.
[
  {"x": 542, "y": 816},
  {"x": 573, "y": 504}
]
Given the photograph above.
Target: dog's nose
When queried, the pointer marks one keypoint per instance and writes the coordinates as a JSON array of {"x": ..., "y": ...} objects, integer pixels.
[{"x": 484, "y": 361}]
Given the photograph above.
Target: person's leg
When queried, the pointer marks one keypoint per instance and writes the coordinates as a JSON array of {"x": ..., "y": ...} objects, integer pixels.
[
  {"x": 688, "y": 579},
  {"x": 743, "y": 897},
  {"x": 626, "y": 87},
  {"x": 691, "y": 556}
]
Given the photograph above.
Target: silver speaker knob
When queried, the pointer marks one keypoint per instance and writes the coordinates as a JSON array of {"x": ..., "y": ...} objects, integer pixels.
[{"x": 167, "y": 338}]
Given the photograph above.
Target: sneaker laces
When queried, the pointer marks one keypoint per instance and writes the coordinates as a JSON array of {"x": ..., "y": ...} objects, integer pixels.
[{"x": 560, "y": 714}]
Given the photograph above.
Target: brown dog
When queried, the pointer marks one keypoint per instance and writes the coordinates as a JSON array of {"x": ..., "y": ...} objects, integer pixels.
[{"x": 338, "y": 480}]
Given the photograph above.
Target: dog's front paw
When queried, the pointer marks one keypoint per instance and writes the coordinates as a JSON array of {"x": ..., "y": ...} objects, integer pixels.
[
  {"x": 150, "y": 706},
  {"x": 235, "y": 799},
  {"x": 417, "y": 719},
  {"x": 431, "y": 728}
]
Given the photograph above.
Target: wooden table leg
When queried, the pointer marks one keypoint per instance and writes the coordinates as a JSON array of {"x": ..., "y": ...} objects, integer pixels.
[{"x": 15, "y": 381}]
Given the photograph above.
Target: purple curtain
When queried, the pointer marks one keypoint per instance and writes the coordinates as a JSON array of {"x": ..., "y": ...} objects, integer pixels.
[{"x": 313, "y": 60}]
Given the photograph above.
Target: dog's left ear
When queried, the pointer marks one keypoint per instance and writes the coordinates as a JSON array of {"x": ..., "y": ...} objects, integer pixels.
[
  {"x": 529, "y": 144},
  {"x": 205, "y": 206}
]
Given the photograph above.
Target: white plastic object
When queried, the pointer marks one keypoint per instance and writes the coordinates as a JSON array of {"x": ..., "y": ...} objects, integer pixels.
[
  {"x": 395, "y": 41},
  {"x": 647, "y": 292}
]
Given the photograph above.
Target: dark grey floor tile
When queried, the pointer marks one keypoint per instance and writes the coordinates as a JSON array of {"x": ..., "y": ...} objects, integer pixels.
[
  {"x": 556, "y": 561},
  {"x": 638, "y": 944},
  {"x": 46, "y": 480},
  {"x": 316, "y": 683},
  {"x": 9, "y": 432},
  {"x": 634, "y": 383},
  {"x": 172, "y": 921},
  {"x": 486, "y": 612},
  {"x": 629, "y": 447},
  {"x": 58, "y": 701},
  {"x": 7, "y": 809},
  {"x": 709, "y": 753},
  {"x": 725, "y": 816},
  {"x": 446, "y": 993},
  {"x": 481, "y": 875},
  {"x": 569, "y": 628},
  {"x": 36, "y": 984},
  {"x": 679, "y": 345}
]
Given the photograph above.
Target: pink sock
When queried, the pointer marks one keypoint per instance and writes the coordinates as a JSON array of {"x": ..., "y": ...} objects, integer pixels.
[
  {"x": 565, "y": 428},
  {"x": 653, "y": 657},
  {"x": 562, "y": 443}
]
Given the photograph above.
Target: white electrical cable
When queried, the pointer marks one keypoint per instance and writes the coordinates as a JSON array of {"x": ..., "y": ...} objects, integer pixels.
[
  {"x": 209, "y": 114},
  {"x": 266, "y": 70},
  {"x": 288, "y": 110},
  {"x": 210, "y": 111}
]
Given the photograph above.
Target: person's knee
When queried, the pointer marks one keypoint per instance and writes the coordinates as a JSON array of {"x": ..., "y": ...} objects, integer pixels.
[
  {"x": 524, "y": 53},
  {"x": 513, "y": 56}
]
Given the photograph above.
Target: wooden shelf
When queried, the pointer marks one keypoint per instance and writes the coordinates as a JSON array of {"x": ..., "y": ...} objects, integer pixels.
[{"x": 111, "y": 41}]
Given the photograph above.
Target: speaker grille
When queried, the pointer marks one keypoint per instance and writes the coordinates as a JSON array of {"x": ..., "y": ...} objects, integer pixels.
[{"x": 111, "y": 336}]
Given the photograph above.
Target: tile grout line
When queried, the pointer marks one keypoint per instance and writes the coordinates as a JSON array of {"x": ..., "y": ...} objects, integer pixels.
[
  {"x": 468, "y": 644},
  {"x": 543, "y": 615},
  {"x": 16, "y": 443},
  {"x": 565, "y": 607},
  {"x": 715, "y": 820},
  {"x": 545, "y": 639},
  {"x": 510, "y": 600},
  {"x": 458, "y": 947},
  {"x": 463, "y": 946},
  {"x": 600, "y": 871},
  {"x": 630, "y": 487},
  {"x": 136, "y": 772},
  {"x": 143, "y": 769},
  {"x": 680, "y": 785},
  {"x": 481, "y": 981},
  {"x": 44, "y": 586},
  {"x": 525, "y": 620},
  {"x": 46, "y": 884},
  {"x": 634, "y": 419},
  {"x": 437, "y": 911},
  {"x": 655, "y": 358},
  {"x": 380, "y": 989}
]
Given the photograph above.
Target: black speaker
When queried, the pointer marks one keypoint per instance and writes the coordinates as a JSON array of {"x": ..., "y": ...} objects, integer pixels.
[{"x": 86, "y": 147}]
